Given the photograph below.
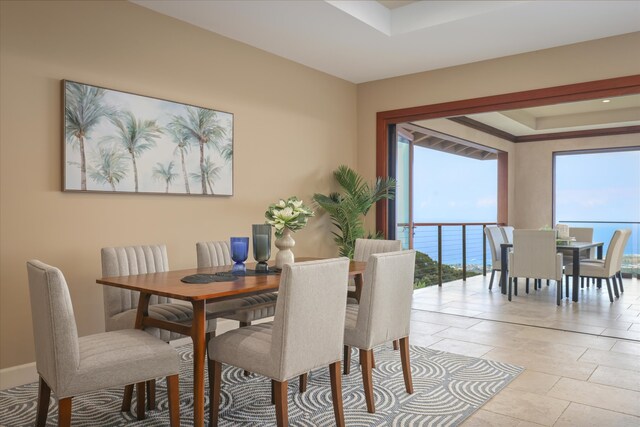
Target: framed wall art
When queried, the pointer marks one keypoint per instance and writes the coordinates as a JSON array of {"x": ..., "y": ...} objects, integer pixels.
[{"x": 124, "y": 143}]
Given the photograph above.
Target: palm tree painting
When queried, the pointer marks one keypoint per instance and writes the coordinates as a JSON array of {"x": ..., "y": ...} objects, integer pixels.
[
  {"x": 203, "y": 127},
  {"x": 110, "y": 167},
  {"x": 165, "y": 174},
  {"x": 137, "y": 136},
  {"x": 123, "y": 142},
  {"x": 84, "y": 109}
]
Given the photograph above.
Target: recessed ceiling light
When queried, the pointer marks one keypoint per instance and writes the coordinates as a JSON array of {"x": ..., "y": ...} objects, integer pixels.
[{"x": 606, "y": 100}]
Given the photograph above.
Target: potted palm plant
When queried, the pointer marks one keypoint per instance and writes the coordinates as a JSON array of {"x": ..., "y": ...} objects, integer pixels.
[{"x": 348, "y": 208}]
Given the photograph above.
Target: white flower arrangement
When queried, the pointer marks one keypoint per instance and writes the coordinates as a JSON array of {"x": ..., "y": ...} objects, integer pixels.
[{"x": 290, "y": 213}]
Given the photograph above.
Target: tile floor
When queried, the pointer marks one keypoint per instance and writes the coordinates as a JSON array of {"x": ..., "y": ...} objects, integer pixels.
[{"x": 582, "y": 360}]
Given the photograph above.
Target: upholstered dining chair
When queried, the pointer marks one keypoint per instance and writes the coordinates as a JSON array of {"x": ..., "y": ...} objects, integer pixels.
[
  {"x": 495, "y": 237},
  {"x": 507, "y": 233},
  {"x": 383, "y": 315},
  {"x": 216, "y": 254},
  {"x": 305, "y": 334},
  {"x": 534, "y": 256},
  {"x": 609, "y": 267},
  {"x": 70, "y": 366},
  {"x": 120, "y": 305},
  {"x": 363, "y": 249}
]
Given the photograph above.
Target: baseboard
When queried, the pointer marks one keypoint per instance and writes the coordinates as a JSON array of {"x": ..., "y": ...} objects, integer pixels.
[{"x": 18, "y": 375}]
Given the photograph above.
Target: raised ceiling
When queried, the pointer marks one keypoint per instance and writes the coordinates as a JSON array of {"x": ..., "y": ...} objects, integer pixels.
[{"x": 362, "y": 41}]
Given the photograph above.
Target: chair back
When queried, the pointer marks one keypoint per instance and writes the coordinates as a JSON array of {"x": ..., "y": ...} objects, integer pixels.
[
  {"x": 507, "y": 233},
  {"x": 366, "y": 247},
  {"x": 534, "y": 254},
  {"x": 213, "y": 254},
  {"x": 495, "y": 237},
  {"x": 626, "y": 234},
  {"x": 308, "y": 327},
  {"x": 385, "y": 305},
  {"x": 54, "y": 325},
  {"x": 615, "y": 251},
  {"x": 582, "y": 234},
  {"x": 129, "y": 261}
]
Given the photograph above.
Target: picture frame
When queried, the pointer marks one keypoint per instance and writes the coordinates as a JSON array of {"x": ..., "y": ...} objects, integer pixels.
[{"x": 120, "y": 142}]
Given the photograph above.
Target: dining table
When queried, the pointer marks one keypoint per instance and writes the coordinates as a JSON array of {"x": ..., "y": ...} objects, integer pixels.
[
  {"x": 169, "y": 284},
  {"x": 574, "y": 247}
]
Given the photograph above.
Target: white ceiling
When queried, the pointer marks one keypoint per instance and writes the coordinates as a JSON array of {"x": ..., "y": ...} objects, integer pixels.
[
  {"x": 364, "y": 40},
  {"x": 592, "y": 114}
]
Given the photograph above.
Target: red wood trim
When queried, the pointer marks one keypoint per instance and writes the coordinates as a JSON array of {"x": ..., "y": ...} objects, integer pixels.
[
  {"x": 579, "y": 134},
  {"x": 503, "y": 187},
  {"x": 531, "y": 98},
  {"x": 483, "y": 127}
]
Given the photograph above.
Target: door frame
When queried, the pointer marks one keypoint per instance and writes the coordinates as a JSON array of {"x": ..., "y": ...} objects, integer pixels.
[{"x": 618, "y": 86}]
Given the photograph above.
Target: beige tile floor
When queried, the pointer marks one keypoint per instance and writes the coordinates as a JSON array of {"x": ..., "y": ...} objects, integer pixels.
[{"x": 581, "y": 360}]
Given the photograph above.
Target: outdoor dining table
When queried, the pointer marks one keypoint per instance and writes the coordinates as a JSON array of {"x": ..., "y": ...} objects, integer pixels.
[
  {"x": 169, "y": 284},
  {"x": 574, "y": 247}
]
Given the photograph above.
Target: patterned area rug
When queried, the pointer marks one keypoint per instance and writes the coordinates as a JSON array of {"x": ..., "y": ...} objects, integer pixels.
[{"x": 447, "y": 389}]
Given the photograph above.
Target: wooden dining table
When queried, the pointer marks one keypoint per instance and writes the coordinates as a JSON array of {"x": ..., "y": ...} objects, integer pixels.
[
  {"x": 574, "y": 247},
  {"x": 169, "y": 284}
]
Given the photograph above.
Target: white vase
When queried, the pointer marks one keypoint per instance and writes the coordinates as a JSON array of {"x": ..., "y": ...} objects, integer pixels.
[{"x": 284, "y": 244}]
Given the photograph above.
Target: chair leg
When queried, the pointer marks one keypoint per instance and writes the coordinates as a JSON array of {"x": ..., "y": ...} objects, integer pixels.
[
  {"x": 215, "y": 380},
  {"x": 282, "y": 404},
  {"x": 526, "y": 285},
  {"x": 493, "y": 273},
  {"x": 126, "y": 398},
  {"x": 620, "y": 281},
  {"x": 303, "y": 382},
  {"x": 406, "y": 365},
  {"x": 173, "y": 392},
  {"x": 336, "y": 393},
  {"x": 347, "y": 360},
  {"x": 510, "y": 284},
  {"x": 396, "y": 347},
  {"x": 273, "y": 392},
  {"x": 615, "y": 286},
  {"x": 566, "y": 285},
  {"x": 548, "y": 282},
  {"x": 243, "y": 325},
  {"x": 558, "y": 292},
  {"x": 64, "y": 412},
  {"x": 366, "y": 358},
  {"x": 151, "y": 394},
  {"x": 140, "y": 400},
  {"x": 44, "y": 393},
  {"x": 609, "y": 290},
  {"x": 582, "y": 282},
  {"x": 515, "y": 286}
]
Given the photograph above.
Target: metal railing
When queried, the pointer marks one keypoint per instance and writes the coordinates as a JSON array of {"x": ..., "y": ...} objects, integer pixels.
[
  {"x": 456, "y": 246},
  {"x": 603, "y": 231}
]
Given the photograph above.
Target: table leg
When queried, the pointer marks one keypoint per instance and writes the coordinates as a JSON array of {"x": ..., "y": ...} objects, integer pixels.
[
  {"x": 357, "y": 279},
  {"x": 576, "y": 274},
  {"x": 198, "y": 331},
  {"x": 504, "y": 269}
]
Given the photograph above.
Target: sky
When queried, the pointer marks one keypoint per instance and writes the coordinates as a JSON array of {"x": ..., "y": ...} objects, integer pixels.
[
  {"x": 598, "y": 187},
  {"x": 450, "y": 188}
]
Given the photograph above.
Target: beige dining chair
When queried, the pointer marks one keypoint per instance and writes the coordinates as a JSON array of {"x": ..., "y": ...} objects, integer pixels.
[
  {"x": 305, "y": 334},
  {"x": 216, "y": 254},
  {"x": 363, "y": 249},
  {"x": 495, "y": 237},
  {"x": 121, "y": 305},
  {"x": 534, "y": 256},
  {"x": 382, "y": 316},
  {"x": 70, "y": 366},
  {"x": 610, "y": 266}
]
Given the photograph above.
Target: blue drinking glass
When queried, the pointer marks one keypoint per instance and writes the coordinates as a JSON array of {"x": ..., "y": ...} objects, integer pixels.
[{"x": 239, "y": 253}]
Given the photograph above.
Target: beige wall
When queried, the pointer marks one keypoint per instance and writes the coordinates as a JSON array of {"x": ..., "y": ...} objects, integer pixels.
[
  {"x": 595, "y": 60},
  {"x": 293, "y": 127},
  {"x": 534, "y": 174}
]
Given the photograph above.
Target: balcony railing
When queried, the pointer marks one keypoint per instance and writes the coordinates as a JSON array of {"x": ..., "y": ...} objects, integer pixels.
[
  {"x": 602, "y": 232},
  {"x": 459, "y": 249}
]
